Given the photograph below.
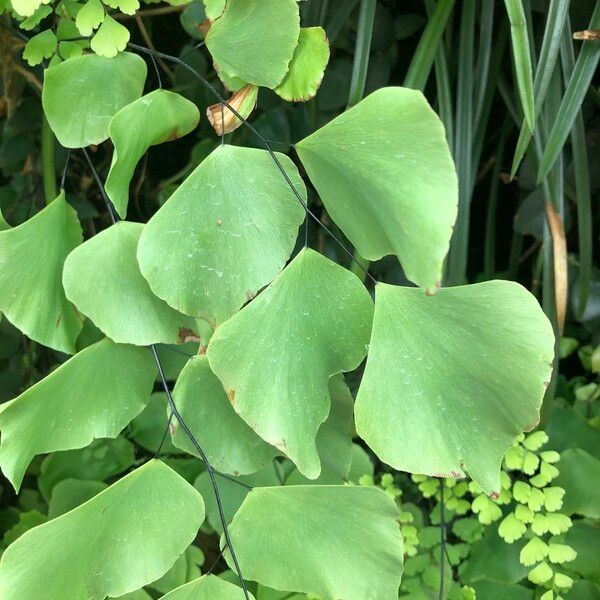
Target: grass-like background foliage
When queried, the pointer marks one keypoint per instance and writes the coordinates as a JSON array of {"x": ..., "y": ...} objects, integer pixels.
[{"x": 299, "y": 300}]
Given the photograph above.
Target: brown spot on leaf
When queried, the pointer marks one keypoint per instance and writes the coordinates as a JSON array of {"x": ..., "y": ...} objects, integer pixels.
[
  {"x": 236, "y": 473},
  {"x": 204, "y": 27},
  {"x": 187, "y": 335},
  {"x": 435, "y": 290},
  {"x": 202, "y": 350},
  {"x": 173, "y": 135},
  {"x": 533, "y": 425},
  {"x": 456, "y": 474},
  {"x": 494, "y": 495},
  {"x": 219, "y": 222},
  {"x": 231, "y": 396}
]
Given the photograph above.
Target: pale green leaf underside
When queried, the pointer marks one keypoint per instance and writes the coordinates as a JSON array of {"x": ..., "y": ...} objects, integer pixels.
[
  {"x": 89, "y": 16},
  {"x": 275, "y": 357},
  {"x": 82, "y": 94},
  {"x": 230, "y": 444},
  {"x": 385, "y": 174},
  {"x": 331, "y": 474},
  {"x": 109, "y": 546},
  {"x": 307, "y": 67},
  {"x": 110, "y": 39},
  {"x": 26, "y": 8},
  {"x": 208, "y": 587},
  {"x": 160, "y": 116},
  {"x": 102, "y": 278},
  {"x": 39, "y": 14},
  {"x": 232, "y": 83},
  {"x": 452, "y": 379},
  {"x": 93, "y": 395},
  {"x": 125, "y": 6},
  {"x": 214, "y": 8},
  {"x": 224, "y": 234},
  {"x": 255, "y": 40},
  {"x": 334, "y": 439},
  {"x": 32, "y": 256},
  {"x": 334, "y": 541}
]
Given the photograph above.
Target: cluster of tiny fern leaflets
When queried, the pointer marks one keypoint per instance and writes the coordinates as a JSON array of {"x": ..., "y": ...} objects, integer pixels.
[
  {"x": 529, "y": 515},
  {"x": 452, "y": 375}
]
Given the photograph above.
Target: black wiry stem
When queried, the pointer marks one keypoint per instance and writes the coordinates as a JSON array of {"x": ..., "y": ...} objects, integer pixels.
[
  {"x": 64, "y": 173},
  {"x": 266, "y": 143},
  {"x": 164, "y": 435},
  {"x": 209, "y": 468}
]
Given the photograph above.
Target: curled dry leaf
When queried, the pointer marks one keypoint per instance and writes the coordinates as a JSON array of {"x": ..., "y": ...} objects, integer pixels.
[
  {"x": 587, "y": 34},
  {"x": 223, "y": 119}
]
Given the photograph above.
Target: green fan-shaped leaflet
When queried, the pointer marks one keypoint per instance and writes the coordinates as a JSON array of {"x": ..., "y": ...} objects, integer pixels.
[
  {"x": 255, "y": 40},
  {"x": 385, "y": 174},
  {"x": 230, "y": 444},
  {"x": 160, "y": 116},
  {"x": 89, "y": 17},
  {"x": 110, "y": 39},
  {"x": 100, "y": 461},
  {"x": 71, "y": 493},
  {"x": 82, "y": 94},
  {"x": 32, "y": 256},
  {"x": 232, "y": 493},
  {"x": 307, "y": 67},
  {"x": 334, "y": 541},
  {"x": 110, "y": 545},
  {"x": 208, "y": 587},
  {"x": 93, "y": 395},
  {"x": 275, "y": 357},
  {"x": 39, "y": 47},
  {"x": 103, "y": 280},
  {"x": 452, "y": 379},
  {"x": 580, "y": 477},
  {"x": 224, "y": 234}
]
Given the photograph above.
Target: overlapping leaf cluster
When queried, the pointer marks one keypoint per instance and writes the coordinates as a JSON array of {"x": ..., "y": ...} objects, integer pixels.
[{"x": 452, "y": 376}]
